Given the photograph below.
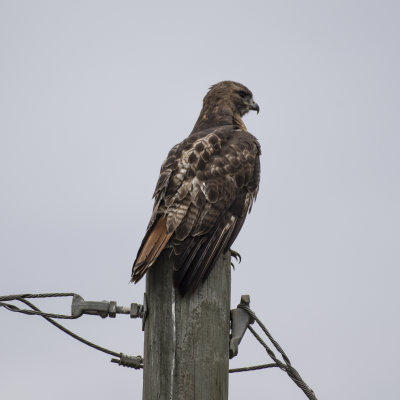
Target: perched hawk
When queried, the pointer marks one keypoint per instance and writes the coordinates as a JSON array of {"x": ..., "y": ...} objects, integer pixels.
[{"x": 206, "y": 187}]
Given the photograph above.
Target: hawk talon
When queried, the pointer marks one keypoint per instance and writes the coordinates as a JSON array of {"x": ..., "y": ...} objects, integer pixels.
[{"x": 236, "y": 256}]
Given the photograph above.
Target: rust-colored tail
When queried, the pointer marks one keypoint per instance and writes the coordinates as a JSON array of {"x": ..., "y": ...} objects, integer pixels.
[{"x": 152, "y": 245}]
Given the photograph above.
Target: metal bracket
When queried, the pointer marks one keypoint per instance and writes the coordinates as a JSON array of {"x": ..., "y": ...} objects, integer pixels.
[
  {"x": 240, "y": 320},
  {"x": 104, "y": 308}
]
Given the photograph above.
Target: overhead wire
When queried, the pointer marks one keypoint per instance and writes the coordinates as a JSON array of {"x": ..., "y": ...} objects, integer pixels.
[
  {"x": 284, "y": 365},
  {"x": 122, "y": 359}
]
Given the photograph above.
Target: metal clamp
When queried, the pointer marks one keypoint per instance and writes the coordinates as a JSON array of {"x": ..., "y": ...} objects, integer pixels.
[
  {"x": 129, "y": 361},
  {"x": 104, "y": 308},
  {"x": 240, "y": 320}
]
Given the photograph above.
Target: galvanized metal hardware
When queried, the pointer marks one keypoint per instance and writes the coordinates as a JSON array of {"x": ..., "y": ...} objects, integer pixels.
[
  {"x": 105, "y": 308},
  {"x": 240, "y": 320},
  {"x": 129, "y": 361}
]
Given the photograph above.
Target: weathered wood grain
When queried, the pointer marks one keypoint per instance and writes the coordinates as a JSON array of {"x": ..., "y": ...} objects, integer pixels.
[{"x": 186, "y": 347}]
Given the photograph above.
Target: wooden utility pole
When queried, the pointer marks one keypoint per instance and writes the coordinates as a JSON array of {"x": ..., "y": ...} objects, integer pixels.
[{"x": 186, "y": 340}]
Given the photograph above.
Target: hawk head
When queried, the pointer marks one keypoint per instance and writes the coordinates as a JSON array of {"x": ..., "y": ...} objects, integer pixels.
[
  {"x": 225, "y": 104},
  {"x": 234, "y": 94}
]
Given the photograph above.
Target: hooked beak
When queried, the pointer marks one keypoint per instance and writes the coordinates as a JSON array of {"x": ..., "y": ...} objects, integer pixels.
[{"x": 254, "y": 106}]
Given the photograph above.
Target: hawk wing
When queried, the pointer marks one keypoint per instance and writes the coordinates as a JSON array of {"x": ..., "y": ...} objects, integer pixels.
[{"x": 206, "y": 187}]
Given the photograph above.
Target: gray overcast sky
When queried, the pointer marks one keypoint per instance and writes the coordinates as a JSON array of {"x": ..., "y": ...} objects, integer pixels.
[{"x": 92, "y": 96}]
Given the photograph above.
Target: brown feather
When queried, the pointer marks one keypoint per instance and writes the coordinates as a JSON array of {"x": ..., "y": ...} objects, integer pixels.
[{"x": 151, "y": 248}]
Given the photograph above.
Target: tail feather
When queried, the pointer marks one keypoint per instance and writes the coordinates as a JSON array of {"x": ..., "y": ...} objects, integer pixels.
[
  {"x": 194, "y": 266},
  {"x": 183, "y": 262},
  {"x": 153, "y": 244}
]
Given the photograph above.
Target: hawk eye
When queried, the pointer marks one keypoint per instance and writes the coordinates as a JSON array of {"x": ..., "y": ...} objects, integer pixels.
[{"x": 242, "y": 94}]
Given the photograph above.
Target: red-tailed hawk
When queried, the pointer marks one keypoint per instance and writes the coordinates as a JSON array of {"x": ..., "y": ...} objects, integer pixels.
[{"x": 206, "y": 187}]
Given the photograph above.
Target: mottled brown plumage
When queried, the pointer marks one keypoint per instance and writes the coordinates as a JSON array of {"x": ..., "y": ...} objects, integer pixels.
[{"x": 206, "y": 187}]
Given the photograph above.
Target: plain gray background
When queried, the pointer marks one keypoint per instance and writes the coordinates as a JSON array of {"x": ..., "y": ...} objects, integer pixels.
[{"x": 92, "y": 96}]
